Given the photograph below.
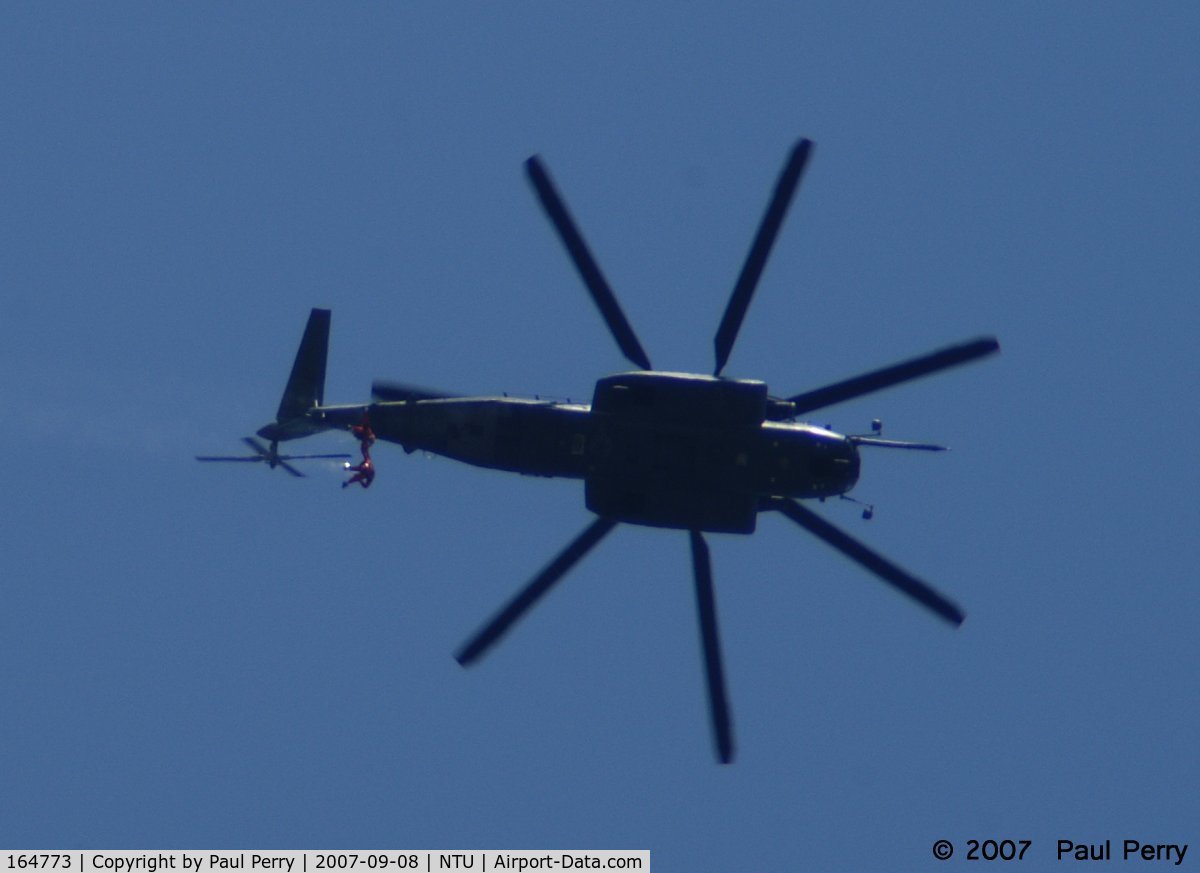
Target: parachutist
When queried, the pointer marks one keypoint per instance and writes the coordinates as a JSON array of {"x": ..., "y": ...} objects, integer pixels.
[{"x": 364, "y": 473}]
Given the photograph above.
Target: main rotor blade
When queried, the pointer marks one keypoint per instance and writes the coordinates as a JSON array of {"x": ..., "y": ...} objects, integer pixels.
[
  {"x": 388, "y": 390},
  {"x": 718, "y": 704},
  {"x": 876, "y": 563},
  {"x": 756, "y": 259},
  {"x": 528, "y": 596},
  {"x": 596, "y": 284},
  {"x": 896, "y": 444},
  {"x": 886, "y": 377},
  {"x": 253, "y": 459}
]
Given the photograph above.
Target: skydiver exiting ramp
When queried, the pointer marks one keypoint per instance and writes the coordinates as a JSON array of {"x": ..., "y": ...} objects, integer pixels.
[{"x": 364, "y": 473}]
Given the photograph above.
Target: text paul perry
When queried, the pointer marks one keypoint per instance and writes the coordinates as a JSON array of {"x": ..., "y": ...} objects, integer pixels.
[
  {"x": 1131, "y": 850},
  {"x": 244, "y": 861}
]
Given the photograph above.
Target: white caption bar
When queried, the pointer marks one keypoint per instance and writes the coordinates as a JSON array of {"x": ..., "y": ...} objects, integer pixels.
[{"x": 390, "y": 861}]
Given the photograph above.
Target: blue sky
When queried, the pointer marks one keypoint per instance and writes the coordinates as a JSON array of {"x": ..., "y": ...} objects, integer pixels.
[{"x": 201, "y": 656}]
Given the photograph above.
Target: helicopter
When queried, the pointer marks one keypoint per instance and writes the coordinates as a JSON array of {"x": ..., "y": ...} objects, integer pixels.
[{"x": 700, "y": 453}]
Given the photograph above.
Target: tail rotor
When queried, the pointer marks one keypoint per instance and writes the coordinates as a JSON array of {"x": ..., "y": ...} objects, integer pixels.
[{"x": 269, "y": 456}]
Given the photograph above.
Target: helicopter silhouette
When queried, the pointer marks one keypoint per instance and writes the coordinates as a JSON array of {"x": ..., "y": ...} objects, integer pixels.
[{"x": 693, "y": 452}]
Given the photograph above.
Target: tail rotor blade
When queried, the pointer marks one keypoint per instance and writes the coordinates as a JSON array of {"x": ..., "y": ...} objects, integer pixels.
[
  {"x": 534, "y": 591},
  {"x": 756, "y": 259},
  {"x": 951, "y": 356},
  {"x": 290, "y": 468},
  {"x": 873, "y": 561},
  {"x": 258, "y": 447},
  {"x": 312, "y": 457},
  {"x": 262, "y": 454},
  {"x": 718, "y": 704},
  {"x": 596, "y": 284}
]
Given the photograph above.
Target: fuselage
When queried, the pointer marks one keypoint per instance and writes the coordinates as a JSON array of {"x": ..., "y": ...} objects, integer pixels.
[{"x": 672, "y": 450}]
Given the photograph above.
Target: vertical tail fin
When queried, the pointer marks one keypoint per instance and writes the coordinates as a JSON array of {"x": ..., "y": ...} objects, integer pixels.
[{"x": 306, "y": 386}]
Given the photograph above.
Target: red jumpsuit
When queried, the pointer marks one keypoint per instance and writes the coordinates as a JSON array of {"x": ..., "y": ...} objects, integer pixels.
[
  {"x": 364, "y": 473},
  {"x": 365, "y": 435}
]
